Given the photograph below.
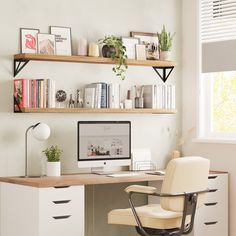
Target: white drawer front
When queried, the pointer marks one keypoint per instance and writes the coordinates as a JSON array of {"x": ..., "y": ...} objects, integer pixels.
[{"x": 65, "y": 225}]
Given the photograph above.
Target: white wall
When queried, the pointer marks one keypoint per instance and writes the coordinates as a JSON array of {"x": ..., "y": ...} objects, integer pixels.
[
  {"x": 222, "y": 156},
  {"x": 93, "y": 20}
]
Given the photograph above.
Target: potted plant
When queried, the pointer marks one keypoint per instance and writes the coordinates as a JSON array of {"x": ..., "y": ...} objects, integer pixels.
[
  {"x": 53, "y": 155},
  {"x": 114, "y": 48},
  {"x": 165, "y": 43}
]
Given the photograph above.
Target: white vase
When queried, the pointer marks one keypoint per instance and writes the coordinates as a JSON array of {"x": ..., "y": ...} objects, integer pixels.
[
  {"x": 164, "y": 55},
  {"x": 54, "y": 168}
]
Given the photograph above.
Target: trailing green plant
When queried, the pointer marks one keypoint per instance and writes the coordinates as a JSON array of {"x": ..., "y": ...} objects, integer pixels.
[
  {"x": 165, "y": 40},
  {"x": 53, "y": 153},
  {"x": 119, "y": 54}
]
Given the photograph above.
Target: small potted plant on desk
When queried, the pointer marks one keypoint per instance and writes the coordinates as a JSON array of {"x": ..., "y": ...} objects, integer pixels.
[
  {"x": 53, "y": 155},
  {"x": 114, "y": 48},
  {"x": 165, "y": 44}
]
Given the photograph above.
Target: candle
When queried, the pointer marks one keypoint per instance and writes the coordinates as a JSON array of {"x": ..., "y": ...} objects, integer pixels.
[{"x": 93, "y": 50}]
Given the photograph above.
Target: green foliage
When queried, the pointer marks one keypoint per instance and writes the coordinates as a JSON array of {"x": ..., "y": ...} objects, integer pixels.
[
  {"x": 224, "y": 105},
  {"x": 165, "y": 40},
  {"x": 119, "y": 55},
  {"x": 53, "y": 153}
]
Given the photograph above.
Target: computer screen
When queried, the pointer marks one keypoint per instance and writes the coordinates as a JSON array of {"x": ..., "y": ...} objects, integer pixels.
[{"x": 102, "y": 143}]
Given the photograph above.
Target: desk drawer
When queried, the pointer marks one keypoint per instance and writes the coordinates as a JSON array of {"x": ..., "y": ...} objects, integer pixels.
[{"x": 63, "y": 225}]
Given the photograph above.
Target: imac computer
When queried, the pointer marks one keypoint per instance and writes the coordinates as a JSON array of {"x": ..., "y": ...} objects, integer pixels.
[{"x": 103, "y": 144}]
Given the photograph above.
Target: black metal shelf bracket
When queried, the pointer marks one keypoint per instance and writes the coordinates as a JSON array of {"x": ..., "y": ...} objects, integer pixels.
[
  {"x": 19, "y": 64},
  {"x": 165, "y": 75}
]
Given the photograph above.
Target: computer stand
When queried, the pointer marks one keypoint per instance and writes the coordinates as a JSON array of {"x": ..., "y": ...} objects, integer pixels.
[{"x": 100, "y": 171}]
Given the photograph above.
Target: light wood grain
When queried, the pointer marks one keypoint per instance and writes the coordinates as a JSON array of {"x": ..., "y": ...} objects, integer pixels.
[
  {"x": 101, "y": 110},
  {"x": 77, "y": 179},
  {"x": 83, "y": 179},
  {"x": 92, "y": 60}
]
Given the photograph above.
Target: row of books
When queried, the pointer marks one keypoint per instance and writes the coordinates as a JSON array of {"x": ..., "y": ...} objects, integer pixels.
[
  {"x": 35, "y": 93},
  {"x": 159, "y": 96},
  {"x": 102, "y": 95}
]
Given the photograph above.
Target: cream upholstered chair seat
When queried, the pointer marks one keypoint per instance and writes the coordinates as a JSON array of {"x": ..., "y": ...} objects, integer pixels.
[
  {"x": 151, "y": 216},
  {"x": 183, "y": 191}
]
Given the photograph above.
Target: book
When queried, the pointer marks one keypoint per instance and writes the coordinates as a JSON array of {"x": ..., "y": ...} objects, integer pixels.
[
  {"x": 89, "y": 97},
  {"x": 114, "y": 95},
  {"x": 150, "y": 96}
]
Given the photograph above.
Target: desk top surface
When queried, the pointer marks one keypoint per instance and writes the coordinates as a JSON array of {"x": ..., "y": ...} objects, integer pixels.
[{"x": 83, "y": 179}]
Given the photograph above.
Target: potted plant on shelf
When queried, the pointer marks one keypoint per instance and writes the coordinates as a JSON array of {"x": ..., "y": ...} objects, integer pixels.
[
  {"x": 114, "y": 48},
  {"x": 165, "y": 43},
  {"x": 53, "y": 155}
]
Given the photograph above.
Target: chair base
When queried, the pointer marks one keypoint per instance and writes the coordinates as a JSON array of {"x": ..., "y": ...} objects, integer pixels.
[{"x": 159, "y": 232}]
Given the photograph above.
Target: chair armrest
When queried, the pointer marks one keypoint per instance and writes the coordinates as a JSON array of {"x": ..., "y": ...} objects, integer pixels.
[{"x": 140, "y": 189}]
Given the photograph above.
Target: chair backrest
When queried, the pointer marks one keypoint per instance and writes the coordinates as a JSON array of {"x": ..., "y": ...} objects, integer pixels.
[{"x": 186, "y": 174}]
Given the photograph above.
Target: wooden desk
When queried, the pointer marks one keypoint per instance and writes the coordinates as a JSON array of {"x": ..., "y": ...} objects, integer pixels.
[
  {"x": 49, "y": 206},
  {"x": 78, "y": 179}
]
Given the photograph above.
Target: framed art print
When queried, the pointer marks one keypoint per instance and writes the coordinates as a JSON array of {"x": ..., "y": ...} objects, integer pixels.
[
  {"x": 63, "y": 40},
  {"x": 28, "y": 38},
  {"x": 151, "y": 42},
  {"x": 130, "y": 45},
  {"x": 46, "y": 44}
]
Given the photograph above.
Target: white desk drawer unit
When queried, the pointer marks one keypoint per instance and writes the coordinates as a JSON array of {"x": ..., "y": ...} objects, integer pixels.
[
  {"x": 42, "y": 211},
  {"x": 212, "y": 218}
]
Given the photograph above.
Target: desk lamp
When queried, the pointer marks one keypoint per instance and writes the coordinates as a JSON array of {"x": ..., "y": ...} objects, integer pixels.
[{"x": 41, "y": 132}]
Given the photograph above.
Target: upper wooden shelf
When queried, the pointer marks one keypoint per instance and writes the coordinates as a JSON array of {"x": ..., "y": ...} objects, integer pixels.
[
  {"x": 92, "y": 60},
  {"x": 100, "y": 110}
]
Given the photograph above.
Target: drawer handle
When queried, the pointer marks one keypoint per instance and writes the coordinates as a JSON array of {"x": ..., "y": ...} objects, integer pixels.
[
  {"x": 213, "y": 190},
  {"x": 212, "y": 177},
  {"x": 61, "y": 217},
  {"x": 61, "y": 201},
  {"x": 211, "y": 223},
  {"x": 61, "y": 186},
  {"x": 211, "y": 204}
]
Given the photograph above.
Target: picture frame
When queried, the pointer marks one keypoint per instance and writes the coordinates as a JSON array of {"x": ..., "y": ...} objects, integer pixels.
[
  {"x": 130, "y": 44},
  {"x": 151, "y": 41},
  {"x": 63, "y": 40},
  {"x": 46, "y": 44},
  {"x": 29, "y": 40}
]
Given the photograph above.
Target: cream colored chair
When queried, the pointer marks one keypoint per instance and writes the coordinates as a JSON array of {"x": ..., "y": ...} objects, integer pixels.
[{"x": 183, "y": 191}]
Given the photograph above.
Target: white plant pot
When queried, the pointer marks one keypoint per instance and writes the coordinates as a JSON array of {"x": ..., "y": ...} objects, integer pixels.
[
  {"x": 165, "y": 55},
  {"x": 54, "y": 168}
]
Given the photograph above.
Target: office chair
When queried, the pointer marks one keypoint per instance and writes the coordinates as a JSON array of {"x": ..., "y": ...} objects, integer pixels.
[{"x": 183, "y": 191}]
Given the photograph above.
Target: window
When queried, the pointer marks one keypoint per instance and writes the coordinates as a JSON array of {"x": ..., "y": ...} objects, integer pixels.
[{"x": 217, "y": 100}]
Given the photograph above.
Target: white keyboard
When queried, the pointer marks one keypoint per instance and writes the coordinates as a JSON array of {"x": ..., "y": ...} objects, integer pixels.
[{"x": 123, "y": 175}]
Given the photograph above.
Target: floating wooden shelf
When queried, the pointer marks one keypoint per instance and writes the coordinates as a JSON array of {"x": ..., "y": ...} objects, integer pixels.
[
  {"x": 100, "y": 110},
  {"x": 91, "y": 60},
  {"x": 21, "y": 60}
]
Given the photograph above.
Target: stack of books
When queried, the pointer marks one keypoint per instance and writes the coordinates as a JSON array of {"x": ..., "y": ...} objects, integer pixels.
[
  {"x": 39, "y": 93},
  {"x": 158, "y": 96},
  {"x": 102, "y": 95}
]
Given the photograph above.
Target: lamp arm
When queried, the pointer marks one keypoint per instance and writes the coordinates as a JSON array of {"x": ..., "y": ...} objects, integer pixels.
[{"x": 26, "y": 146}]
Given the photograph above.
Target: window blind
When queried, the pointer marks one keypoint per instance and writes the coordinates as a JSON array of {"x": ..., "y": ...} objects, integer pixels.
[{"x": 218, "y": 20}]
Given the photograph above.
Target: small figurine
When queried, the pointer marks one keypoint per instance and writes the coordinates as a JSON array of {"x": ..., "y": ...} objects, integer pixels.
[
  {"x": 71, "y": 102},
  {"x": 79, "y": 101}
]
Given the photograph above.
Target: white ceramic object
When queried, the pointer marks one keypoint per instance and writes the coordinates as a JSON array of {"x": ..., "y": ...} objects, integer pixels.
[
  {"x": 165, "y": 55},
  {"x": 82, "y": 47},
  {"x": 128, "y": 104},
  {"x": 54, "y": 168},
  {"x": 93, "y": 50}
]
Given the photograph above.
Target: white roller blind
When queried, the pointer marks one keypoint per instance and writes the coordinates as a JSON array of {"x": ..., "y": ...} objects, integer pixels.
[{"x": 218, "y": 20}]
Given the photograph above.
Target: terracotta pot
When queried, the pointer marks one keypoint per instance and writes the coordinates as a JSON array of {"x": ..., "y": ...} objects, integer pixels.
[
  {"x": 165, "y": 55},
  {"x": 108, "y": 51},
  {"x": 54, "y": 168}
]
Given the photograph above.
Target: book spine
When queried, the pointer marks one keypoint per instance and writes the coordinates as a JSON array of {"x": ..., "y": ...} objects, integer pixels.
[
  {"x": 114, "y": 95},
  {"x": 19, "y": 92},
  {"x": 104, "y": 95}
]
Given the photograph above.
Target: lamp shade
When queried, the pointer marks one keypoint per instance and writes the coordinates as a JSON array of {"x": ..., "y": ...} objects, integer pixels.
[{"x": 41, "y": 131}]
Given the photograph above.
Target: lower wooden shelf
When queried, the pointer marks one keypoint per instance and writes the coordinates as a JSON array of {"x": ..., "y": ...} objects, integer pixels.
[{"x": 100, "y": 110}]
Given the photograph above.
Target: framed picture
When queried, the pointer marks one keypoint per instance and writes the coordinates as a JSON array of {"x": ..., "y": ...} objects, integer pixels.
[
  {"x": 130, "y": 44},
  {"x": 63, "y": 40},
  {"x": 46, "y": 44},
  {"x": 28, "y": 39},
  {"x": 150, "y": 40}
]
